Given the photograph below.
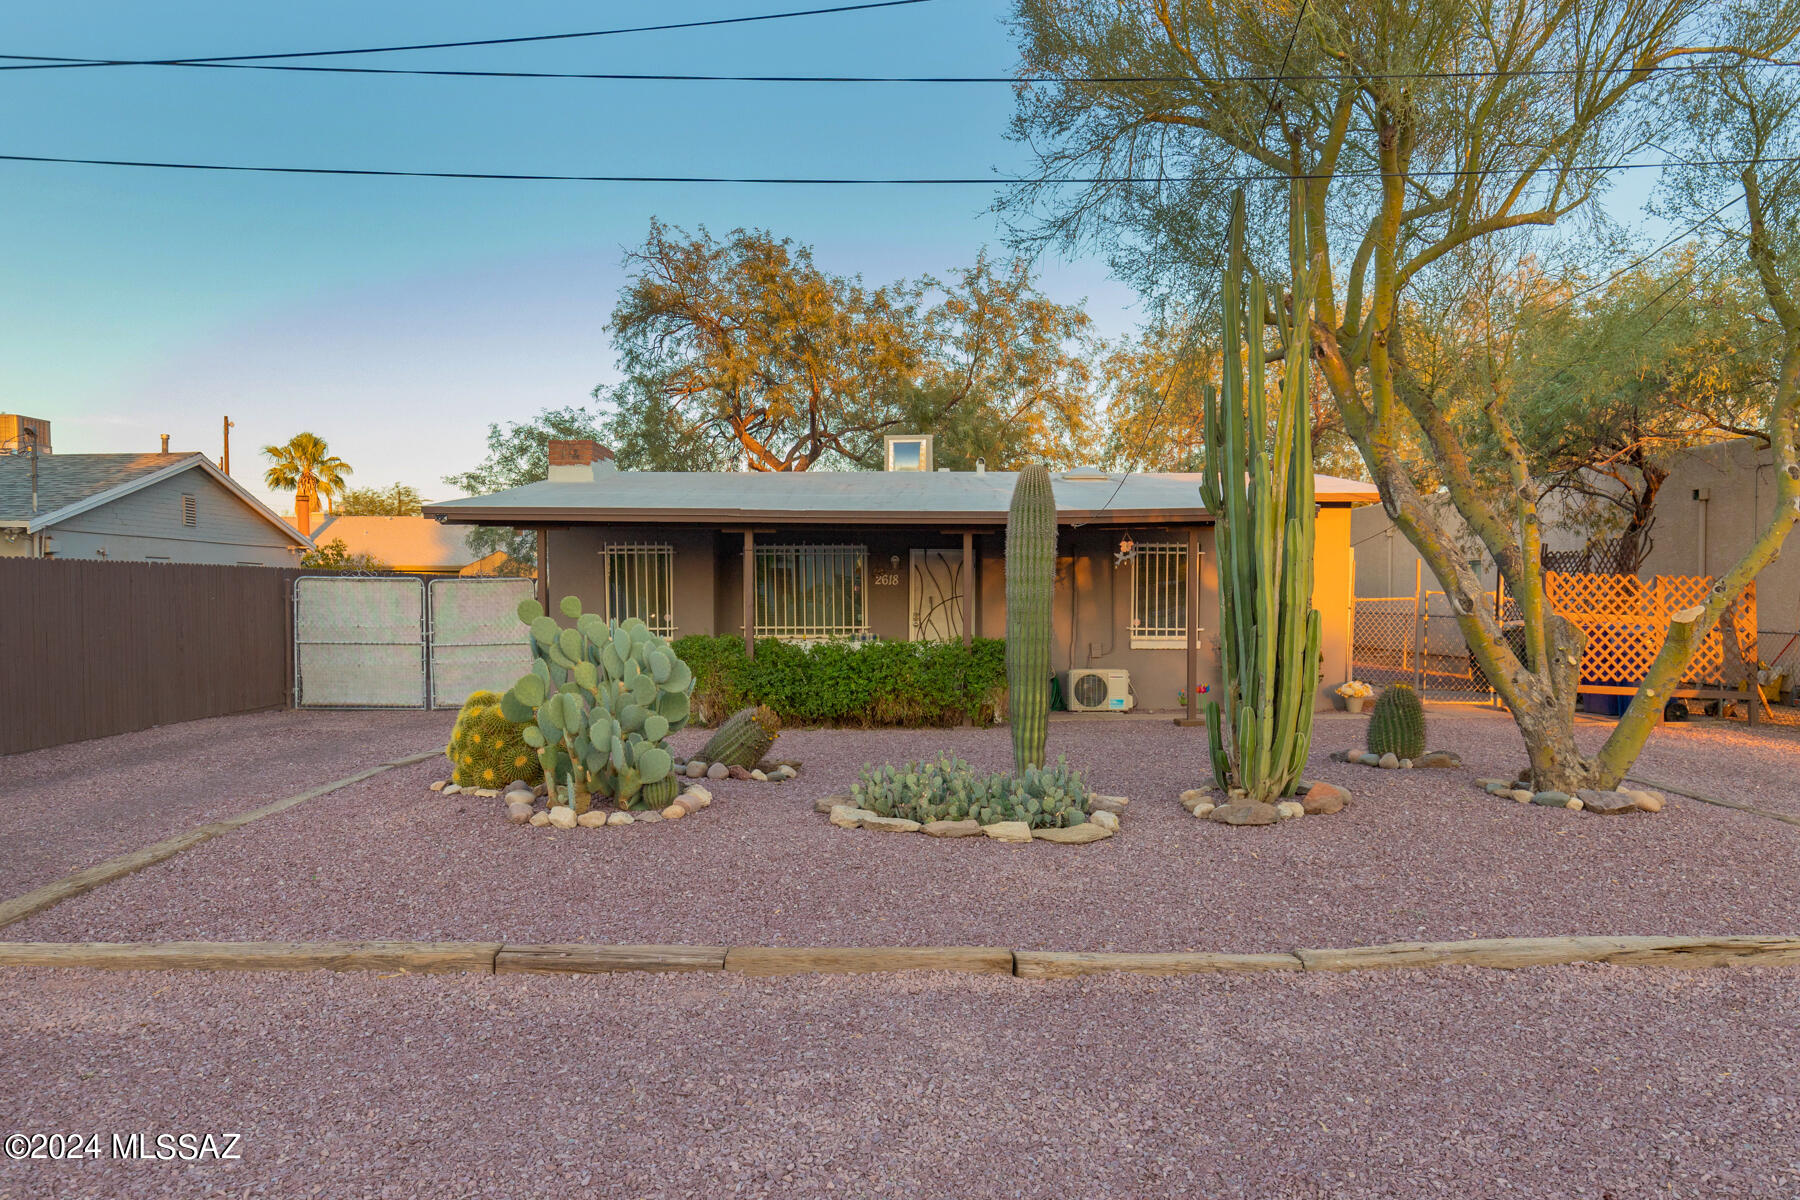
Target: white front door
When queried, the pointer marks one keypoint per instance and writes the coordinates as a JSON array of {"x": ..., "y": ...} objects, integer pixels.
[{"x": 937, "y": 596}]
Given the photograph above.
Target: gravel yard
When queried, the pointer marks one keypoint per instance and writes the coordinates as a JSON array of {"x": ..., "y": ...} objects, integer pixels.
[
  {"x": 1419, "y": 855},
  {"x": 1569, "y": 1081}
]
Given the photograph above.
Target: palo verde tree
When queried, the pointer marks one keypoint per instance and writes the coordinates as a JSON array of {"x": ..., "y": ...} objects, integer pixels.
[{"x": 1416, "y": 130}]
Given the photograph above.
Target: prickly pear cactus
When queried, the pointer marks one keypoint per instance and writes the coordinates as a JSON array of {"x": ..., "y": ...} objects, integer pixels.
[
  {"x": 486, "y": 750},
  {"x": 1397, "y": 725},
  {"x": 599, "y": 704},
  {"x": 744, "y": 738},
  {"x": 1030, "y": 580}
]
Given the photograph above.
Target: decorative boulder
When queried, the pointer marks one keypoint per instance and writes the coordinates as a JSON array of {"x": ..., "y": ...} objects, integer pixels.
[
  {"x": 1245, "y": 813},
  {"x": 1324, "y": 799}
]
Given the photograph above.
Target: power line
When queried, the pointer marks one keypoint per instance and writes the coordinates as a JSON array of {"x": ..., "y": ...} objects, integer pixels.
[
  {"x": 51, "y": 61},
  {"x": 886, "y": 181}
]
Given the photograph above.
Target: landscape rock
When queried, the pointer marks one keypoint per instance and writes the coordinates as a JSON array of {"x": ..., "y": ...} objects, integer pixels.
[
  {"x": 695, "y": 769},
  {"x": 737, "y": 773},
  {"x": 759, "y": 776},
  {"x": 1324, "y": 799},
  {"x": 698, "y": 793},
  {"x": 517, "y": 785},
  {"x": 451, "y": 789},
  {"x": 1074, "y": 835},
  {"x": 1245, "y": 813},
  {"x": 1406, "y": 764},
  {"x": 519, "y": 796},
  {"x": 1555, "y": 799},
  {"x": 518, "y": 814},
  {"x": 952, "y": 829},
  {"x": 1343, "y": 756},
  {"x": 563, "y": 817},
  {"x": 1194, "y": 797},
  {"x": 1105, "y": 820},
  {"x": 1606, "y": 803},
  {"x": 1438, "y": 758},
  {"x": 1008, "y": 831},
  {"x": 674, "y": 812},
  {"x": 619, "y": 818},
  {"x": 718, "y": 771},
  {"x": 1287, "y": 810},
  {"x": 1495, "y": 787},
  {"x": 825, "y": 804},
  {"x": 540, "y": 818},
  {"x": 593, "y": 818},
  {"x": 846, "y": 816},
  {"x": 1112, "y": 804},
  {"x": 1522, "y": 795},
  {"x": 1370, "y": 760},
  {"x": 440, "y": 785},
  {"x": 783, "y": 772},
  {"x": 1488, "y": 781},
  {"x": 646, "y": 818},
  {"x": 1203, "y": 810},
  {"x": 1390, "y": 760},
  {"x": 890, "y": 824},
  {"x": 1645, "y": 799}
]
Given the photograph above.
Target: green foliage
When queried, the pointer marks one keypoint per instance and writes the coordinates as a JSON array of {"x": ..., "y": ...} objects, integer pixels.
[
  {"x": 518, "y": 454},
  {"x": 305, "y": 465},
  {"x": 949, "y": 789},
  {"x": 486, "y": 750},
  {"x": 1258, "y": 483},
  {"x": 1030, "y": 587},
  {"x": 335, "y": 556},
  {"x": 1397, "y": 725},
  {"x": 400, "y": 500},
  {"x": 867, "y": 684},
  {"x": 599, "y": 704},
  {"x": 743, "y": 739}
]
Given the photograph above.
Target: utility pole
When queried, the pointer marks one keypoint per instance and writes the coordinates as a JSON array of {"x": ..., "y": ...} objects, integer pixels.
[{"x": 225, "y": 462}]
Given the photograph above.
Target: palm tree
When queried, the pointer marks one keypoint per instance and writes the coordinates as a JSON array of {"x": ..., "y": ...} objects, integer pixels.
[{"x": 306, "y": 467}]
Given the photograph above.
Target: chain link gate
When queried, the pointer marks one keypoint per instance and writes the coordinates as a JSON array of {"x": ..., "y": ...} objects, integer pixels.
[
  {"x": 359, "y": 642},
  {"x": 477, "y": 641}
]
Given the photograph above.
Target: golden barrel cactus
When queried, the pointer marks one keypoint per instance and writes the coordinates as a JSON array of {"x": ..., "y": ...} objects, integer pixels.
[{"x": 486, "y": 750}]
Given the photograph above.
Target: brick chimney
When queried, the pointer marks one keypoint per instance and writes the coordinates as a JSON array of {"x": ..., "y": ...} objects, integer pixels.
[
  {"x": 575, "y": 460},
  {"x": 303, "y": 513}
]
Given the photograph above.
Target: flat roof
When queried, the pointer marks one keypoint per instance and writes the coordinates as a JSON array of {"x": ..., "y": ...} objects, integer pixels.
[{"x": 849, "y": 498}]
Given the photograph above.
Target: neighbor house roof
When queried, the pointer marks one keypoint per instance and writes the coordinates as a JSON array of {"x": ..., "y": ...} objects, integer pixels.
[
  {"x": 403, "y": 543},
  {"x": 849, "y": 498},
  {"x": 71, "y": 484}
]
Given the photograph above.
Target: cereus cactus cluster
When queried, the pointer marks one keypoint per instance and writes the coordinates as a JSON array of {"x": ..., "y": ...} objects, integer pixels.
[
  {"x": 1030, "y": 584},
  {"x": 486, "y": 750},
  {"x": 1397, "y": 725},
  {"x": 744, "y": 739},
  {"x": 1258, "y": 484},
  {"x": 600, "y": 702}
]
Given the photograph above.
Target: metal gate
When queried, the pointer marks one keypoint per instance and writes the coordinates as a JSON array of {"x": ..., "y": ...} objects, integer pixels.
[
  {"x": 475, "y": 635},
  {"x": 391, "y": 642},
  {"x": 359, "y": 642}
]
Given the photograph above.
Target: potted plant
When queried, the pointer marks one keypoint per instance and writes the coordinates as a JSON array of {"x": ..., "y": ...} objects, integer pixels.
[{"x": 1354, "y": 692}]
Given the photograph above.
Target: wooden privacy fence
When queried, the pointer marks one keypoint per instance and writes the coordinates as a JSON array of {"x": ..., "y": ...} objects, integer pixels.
[
  {"x": 90, "y": 648},
  {"x": 1627, "y": 620}
]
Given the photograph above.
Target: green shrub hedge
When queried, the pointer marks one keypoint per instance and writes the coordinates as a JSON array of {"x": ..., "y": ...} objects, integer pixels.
[{"x": 843, "y": 683}]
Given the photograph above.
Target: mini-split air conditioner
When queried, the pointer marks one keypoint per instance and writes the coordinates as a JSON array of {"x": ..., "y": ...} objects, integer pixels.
[{"x": 1098, "y": 690}]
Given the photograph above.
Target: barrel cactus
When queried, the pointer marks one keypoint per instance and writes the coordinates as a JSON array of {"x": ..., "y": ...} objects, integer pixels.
[
  {"x": 744, "y": 738},
  {"x": 1030, "y": 583},
  {"x": 599, "y": 704},
  {"x": 1258, "y": 484},
  {"x": 1397, "y": 726},
  {"x": 486, "y": 750}
]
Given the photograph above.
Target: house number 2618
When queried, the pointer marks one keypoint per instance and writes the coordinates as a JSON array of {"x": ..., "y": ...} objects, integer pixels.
[{"x": 887, "y": 578}]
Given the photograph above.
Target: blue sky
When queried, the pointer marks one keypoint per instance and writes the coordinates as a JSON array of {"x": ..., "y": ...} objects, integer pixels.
[{"x": 398, "y": 318}]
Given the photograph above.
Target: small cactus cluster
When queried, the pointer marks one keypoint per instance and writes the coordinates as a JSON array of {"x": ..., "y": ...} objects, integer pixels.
[
  {"x": 486, "y": 750},
  {"x": 600, "y": 702},
  {"x": 949, "y": 789},
  {"x": 744, "y": 739},
  {"x": 1397, "y": 725},
  {"x": 1030, "y": 585}
]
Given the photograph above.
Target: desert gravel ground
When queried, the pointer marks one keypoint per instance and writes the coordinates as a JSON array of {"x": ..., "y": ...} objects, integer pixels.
[
  {"x": 1419, "y": 855},
  {"x": 1558, "y": 1082},
  {"x": 70, "y": 807}
]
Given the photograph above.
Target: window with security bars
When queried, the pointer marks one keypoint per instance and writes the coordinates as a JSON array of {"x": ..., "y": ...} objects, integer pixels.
[
  {"x": 1159, "y": 594},
  {"x": 640, "y": 582},
  {"x": 811, "y": 593}
]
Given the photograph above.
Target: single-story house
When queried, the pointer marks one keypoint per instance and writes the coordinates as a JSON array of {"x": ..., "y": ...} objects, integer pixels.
[
  {"x": 137, "y": 508},
  {"x": 906, "y": 553},
  {"x": 417, "y": 545}
]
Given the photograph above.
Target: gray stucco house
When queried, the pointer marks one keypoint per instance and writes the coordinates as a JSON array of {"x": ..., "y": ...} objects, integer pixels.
[
  {"x": 906, "y": 553},
  {"x": 137, "y": 508}
]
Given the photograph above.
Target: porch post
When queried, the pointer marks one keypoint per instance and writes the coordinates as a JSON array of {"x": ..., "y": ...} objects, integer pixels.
[
  {"x": 543, "y": 570},
  {"x": 1193, "y": 630},
  {"x": 749, "y": 593},
  {"x": 968, "y": 589}
]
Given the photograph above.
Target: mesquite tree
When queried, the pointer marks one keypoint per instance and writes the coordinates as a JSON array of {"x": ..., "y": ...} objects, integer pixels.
[{"x": 1416, "y": 130}]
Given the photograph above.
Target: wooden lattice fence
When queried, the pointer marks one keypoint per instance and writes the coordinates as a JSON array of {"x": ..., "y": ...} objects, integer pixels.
[{"x": 1627, "y": 619}]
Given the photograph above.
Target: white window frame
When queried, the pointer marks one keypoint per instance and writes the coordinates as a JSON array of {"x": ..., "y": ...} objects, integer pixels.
[
  {"x": 1165, "y": 562},
  {"x": 632, "y": 573},
  {"x": 816, "y": 617}
]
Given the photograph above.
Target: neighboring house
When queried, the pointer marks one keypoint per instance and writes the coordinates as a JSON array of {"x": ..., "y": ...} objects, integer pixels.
[
  {"x": 418, "y": 545},
  {"x": 138, "y": 508},
  {"x": 821, "y": 555}
]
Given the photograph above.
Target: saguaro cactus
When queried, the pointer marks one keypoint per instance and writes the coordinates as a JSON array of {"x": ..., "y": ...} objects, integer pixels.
[
  {"x": 1258, "y": 483},
  {"x": 1030, "y": 583}
]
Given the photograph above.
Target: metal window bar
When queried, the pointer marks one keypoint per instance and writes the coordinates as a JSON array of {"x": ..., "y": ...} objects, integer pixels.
[
  {"x": 640, "y": 582},
  {"x": 1159, "y": 592},
  {"x": 811, "y": 593}
]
